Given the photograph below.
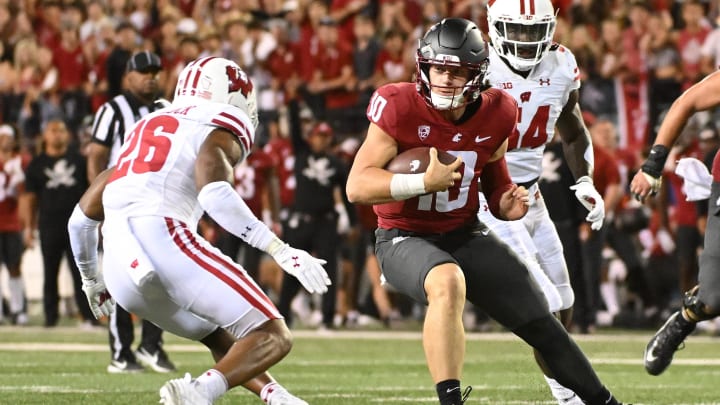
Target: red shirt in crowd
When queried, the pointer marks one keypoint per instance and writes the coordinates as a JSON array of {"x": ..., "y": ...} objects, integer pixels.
[{"x": 281, "y": 152}]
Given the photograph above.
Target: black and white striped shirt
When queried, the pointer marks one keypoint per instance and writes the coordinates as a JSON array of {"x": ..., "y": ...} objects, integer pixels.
[{"x": 114, "y": 118}]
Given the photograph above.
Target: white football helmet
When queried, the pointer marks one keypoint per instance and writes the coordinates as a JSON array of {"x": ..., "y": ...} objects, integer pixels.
[
  {"x": 216, "y": 80},
  {"x": 521, "y": 31}
]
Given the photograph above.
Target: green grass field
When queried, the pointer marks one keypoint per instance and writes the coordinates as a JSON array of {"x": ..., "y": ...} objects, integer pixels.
[{"x": 67, "y": 366}]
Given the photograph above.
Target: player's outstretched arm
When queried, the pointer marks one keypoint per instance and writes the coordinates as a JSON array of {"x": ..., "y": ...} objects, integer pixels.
[
  {"x": 699, "y": 97},
  {"x": 83, "y": 231},
  {"x": 213, "y": 172}
]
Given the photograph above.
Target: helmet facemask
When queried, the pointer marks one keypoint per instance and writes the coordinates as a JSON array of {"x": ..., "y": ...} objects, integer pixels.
[
  {"x": 462, "y": 95},
  {"x": 524, "y": 45},
  {"x": 521, "y": 35}
]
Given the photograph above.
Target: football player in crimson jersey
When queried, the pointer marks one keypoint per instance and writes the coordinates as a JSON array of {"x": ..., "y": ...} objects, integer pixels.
[
  {"x": 430, "y": 244},
  {"x": 703, "y": 301},
  {"x": 177, "y": 162},
  {"x": 543, "y": 78}
]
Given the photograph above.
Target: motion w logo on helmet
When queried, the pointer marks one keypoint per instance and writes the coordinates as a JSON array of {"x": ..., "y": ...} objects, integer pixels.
[{"x": 238, "y": 81}]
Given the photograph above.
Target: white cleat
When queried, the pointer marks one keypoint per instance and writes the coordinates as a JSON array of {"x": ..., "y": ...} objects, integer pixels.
[
  {"x": 280, "y": 396},
  {"x": 182, "y": 391}
]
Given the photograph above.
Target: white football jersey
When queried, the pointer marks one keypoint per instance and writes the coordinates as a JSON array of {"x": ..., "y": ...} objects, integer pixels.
[
  {"x": 155, "y": 174},
  {"x": 540, "y": 97}
]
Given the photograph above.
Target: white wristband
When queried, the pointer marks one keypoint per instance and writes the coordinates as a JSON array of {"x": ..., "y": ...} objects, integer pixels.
[
  {"x": 404, "y": 186},
  {"x": 584, "y": 178}
]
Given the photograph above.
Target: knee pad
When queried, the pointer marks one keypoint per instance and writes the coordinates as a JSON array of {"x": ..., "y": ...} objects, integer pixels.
[{"x": 694, "y": 308}]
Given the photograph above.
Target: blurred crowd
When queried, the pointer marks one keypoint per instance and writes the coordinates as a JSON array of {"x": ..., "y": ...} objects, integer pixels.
[{"x": 315, "y": 64}]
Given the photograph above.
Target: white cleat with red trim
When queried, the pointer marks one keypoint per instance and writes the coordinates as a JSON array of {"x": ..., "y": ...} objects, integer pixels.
[{"x": 275, "y": 394}]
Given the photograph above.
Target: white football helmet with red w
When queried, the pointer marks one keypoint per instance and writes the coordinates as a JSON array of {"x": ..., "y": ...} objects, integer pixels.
[
  {"x": 216, "y": 80},
  {"x": 521, "y": 31}
]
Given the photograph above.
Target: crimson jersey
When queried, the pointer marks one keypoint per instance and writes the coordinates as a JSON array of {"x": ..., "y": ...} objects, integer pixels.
[
  {"x": 250, "y": 179},
  {"x": 12, "y": 179},
  {"x": 402, "y": 113},
  {"x": 716, "y": 167},
  {"x": 281, "y": 152}
]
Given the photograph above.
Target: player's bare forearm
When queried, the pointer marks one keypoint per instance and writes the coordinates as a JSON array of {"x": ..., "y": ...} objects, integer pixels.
[
  {"x": 576, "y": 141},
  {"x": 368, "y": 182},
  {"x": 369, "y": 185}
]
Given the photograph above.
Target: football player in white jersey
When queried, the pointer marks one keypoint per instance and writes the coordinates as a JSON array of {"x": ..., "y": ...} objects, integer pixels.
[
  {"x": 176, "y": 163},
  {"x": 543, "y": 78}
]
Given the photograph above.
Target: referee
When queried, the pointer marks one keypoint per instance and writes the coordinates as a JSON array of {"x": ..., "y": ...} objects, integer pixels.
[{"x": 111, "y": 122}]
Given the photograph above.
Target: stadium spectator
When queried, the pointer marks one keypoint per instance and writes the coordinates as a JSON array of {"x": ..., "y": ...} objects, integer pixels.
[
  {"x": 310, "y": 46},
  {"x": 606, "y": 176},
  {"x": 664, "y": 69},
  {"x": 47, "y": 23},
  {"x": 333, "y": 81},
  {"x": 344, "y": 12},
  {"x": 690, "y": 40},
  {"x": 72, "y": 82},
  {"x": 710, "y": 52},
  {"x": 632, "y": 121},
  {"x": 54, "y": 181},
  {"x": 210, "y": 42},
  {"x": 397, "y": 15},
  {"x": 235, "y": 34},
  {"x": 390, "y": 65},
  {"x": 12, "y": 183},
  {"x": 125, "y": 45},
  {"x": 317, "y": 215},
  {"x": 365, "y": 53}
]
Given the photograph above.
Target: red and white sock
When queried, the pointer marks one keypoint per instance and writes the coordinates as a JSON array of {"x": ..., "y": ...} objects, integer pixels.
[{"x": 213, "y": 383}]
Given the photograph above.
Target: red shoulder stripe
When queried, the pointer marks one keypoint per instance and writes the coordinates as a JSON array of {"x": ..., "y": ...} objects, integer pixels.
[{"x": 236, "y": 126}]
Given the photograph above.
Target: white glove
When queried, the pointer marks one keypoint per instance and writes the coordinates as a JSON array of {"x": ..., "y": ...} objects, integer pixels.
[
  {"x": 101, "y": 303},
  {"x": 307, "y": 269},
  {"x": 592, "y": 200}
]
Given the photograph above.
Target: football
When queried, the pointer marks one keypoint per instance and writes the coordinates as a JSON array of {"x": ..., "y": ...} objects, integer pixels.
[{"x": 416, "y": 160}]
